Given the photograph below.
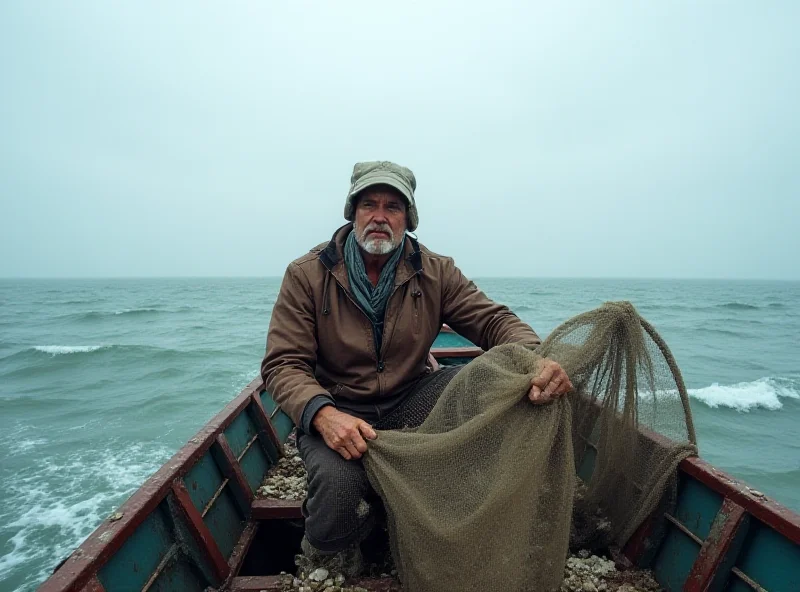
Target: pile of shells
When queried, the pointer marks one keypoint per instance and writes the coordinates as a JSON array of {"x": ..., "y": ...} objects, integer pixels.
[
  {"x": 287, "y": 479},
  {"x": 585, "y": 572},
  {"x": 319, "y": 580}
]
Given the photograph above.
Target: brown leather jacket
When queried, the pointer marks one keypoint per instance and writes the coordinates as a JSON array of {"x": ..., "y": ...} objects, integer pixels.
[{"x": 320, "y": 342}]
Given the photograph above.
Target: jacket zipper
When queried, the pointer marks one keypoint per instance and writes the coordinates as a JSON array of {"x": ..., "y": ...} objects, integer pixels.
[{"x": 380, "y": 365}]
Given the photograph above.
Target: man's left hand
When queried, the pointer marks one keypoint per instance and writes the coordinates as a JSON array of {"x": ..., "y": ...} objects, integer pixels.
[{"x": 551, "y": 383}]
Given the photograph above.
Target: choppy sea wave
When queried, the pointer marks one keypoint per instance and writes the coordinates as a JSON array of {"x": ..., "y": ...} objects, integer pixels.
[
  {"x": 63, "y": 502},
  {"x": 60, "y": 350},
  {"x": 764, "y": 393},
  {"x": 100, "y": 381},
  {"x": 737, "y": 306}
]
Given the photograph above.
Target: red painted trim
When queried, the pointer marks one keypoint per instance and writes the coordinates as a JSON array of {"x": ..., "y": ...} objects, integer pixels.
[
  {"x": 199, "y": 530},
  {"x": 240, "y": 551},
  {"x": 456, "y": 352},
  {"x": 771, "y": 513},
  {"x": 272, "y": 509},
  {"x": 110, "y": 536},
  {"x": 93, "y": 585},
  {"x": 273, "y": 584},
  {"x": 446, "y": 329},
  {"x": 723, "y": 532},
  {"x": 233, "y": 472},
  {"x": 639, "y": 543},
  {"x": 266, "y": 431}
]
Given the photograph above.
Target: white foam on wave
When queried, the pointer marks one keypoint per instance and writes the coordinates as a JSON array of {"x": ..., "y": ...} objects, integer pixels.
[
  {"x": 764, "y": 393},
  {"x": 58, "y": 350},
  {"x": 55, "y": 504}
]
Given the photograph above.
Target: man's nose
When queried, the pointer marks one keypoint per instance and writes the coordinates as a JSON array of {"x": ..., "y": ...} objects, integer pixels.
[{"x": 380, "y": 216}]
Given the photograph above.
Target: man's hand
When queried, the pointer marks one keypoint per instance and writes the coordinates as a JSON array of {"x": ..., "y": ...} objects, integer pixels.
[
  {"x": 342, "y": 432},
  {"x": 551, "y": 383}
]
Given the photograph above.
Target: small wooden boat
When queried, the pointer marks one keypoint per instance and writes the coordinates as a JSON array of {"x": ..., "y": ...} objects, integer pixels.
[{"x": 196, "y": 523}]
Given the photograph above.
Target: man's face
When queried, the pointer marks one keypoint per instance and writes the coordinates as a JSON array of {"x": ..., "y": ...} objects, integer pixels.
[{"x": 380, "y": 220}]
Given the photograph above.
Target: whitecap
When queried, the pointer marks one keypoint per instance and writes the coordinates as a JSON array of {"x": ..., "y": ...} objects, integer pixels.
[
  {"x": 57, "y": 350},
  {"x": 764, "y": 393},
  {"x": 54, "y": 504},
  {"x": 126, "y": 311}
]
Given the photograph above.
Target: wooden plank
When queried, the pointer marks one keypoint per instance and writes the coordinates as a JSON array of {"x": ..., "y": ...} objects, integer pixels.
[
  {"x": 233, "y": 471},
  {"x": 240, "y": 551},
  {"x": 273, "y": 584},
  {"x": 93, "y": 585},
  {"x": 456, "y": 352},
  {"x": 747, "y": 580},
  {"x": 200, "y": 532},
  {"x": 771, "y": 513},
  {"x": 266, "y": 431},
  {"x": 109, "y": 537},
  {"x": 272, "y": 509},
  {"x": 639, "y": 548},
  {"x": 714, "y": 552},
  {"x": 162, "y": 565}
]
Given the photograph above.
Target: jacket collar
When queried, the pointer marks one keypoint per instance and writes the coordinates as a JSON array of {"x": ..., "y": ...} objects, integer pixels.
[{"x": 333, "y": 259}]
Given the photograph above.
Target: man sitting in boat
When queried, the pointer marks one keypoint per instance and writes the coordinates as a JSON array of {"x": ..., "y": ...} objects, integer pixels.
[{"x": 348, "y": 345}]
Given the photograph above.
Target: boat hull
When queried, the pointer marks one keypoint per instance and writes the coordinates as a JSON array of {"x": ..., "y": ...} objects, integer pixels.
[{"x": 196, "y": 522}]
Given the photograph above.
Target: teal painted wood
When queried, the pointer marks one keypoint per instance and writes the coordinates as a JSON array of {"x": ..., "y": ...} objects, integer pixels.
[
  {"x": 282, "y": 422},
  {"x": 266, "y": 445},
  {"x": 770, "y": 559},
  {"x": 203, "y": 480},
  {"x": 675, "y": 559},
  {"x": 225, "y": 521},
  {"x": 283, "y": 425},
  {"x": 240, "y": 432},
  {"x": 268, "y": 402},
  {"x": 242, "y": 492},
  {"x": 131, "y": 566},
  {"x": 697, "y": 506},
  {"x": 736, "y": 585},
  {"x": 453, "y": 361},
  {"x": 181, "y": 576},
  {"x": 255, "y": 465},
  {"x": 451, "y": 340}
]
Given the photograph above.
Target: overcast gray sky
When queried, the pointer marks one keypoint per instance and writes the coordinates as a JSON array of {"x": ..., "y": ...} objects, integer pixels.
[{"x": 580, "y": 139}]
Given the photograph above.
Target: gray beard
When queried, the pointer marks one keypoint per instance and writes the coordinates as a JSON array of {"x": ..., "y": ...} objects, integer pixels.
[{"x": 376, "y": 246}]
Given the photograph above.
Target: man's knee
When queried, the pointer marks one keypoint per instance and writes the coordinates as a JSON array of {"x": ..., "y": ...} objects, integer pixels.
[{"x": 338, "y": 509}]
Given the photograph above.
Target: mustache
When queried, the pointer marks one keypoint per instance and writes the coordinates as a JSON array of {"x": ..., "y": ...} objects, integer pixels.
[{"x": 378, "y": 228}]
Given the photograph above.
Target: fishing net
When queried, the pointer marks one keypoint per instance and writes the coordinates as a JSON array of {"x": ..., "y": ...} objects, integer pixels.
[{"x": 480, "y": 495}]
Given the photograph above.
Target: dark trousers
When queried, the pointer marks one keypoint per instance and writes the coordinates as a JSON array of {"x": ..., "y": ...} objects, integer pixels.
[{"x": 341, "y": 507}]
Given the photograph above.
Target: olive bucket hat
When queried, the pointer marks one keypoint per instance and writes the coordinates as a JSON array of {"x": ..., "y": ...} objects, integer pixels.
[{"x": 383, "y": 172}]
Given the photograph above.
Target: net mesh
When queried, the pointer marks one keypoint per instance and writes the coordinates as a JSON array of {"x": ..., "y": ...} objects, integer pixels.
[{"x": 480, "y": 495}]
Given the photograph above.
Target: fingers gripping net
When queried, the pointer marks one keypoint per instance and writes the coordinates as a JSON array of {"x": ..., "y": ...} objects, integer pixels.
[{"x": 480, "y": 495}]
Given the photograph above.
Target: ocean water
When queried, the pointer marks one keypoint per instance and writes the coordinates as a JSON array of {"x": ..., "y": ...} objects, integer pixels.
[{"x": 101, "y": 381}]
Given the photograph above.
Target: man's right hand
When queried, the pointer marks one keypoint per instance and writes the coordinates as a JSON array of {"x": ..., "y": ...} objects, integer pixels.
[{"x": 342, "y": 432}]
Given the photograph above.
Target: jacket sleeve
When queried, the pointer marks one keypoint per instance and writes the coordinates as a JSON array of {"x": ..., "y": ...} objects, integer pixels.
[
  {"x": 472, "y": 314},
  {"x": 291, "y": 356}
]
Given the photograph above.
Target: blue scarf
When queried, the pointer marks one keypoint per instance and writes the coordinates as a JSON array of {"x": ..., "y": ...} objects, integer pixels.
[{"x": 371, "y": 299}]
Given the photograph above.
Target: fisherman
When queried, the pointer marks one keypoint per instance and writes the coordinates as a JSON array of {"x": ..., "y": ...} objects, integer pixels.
[{"x": 348, "y": 346}]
